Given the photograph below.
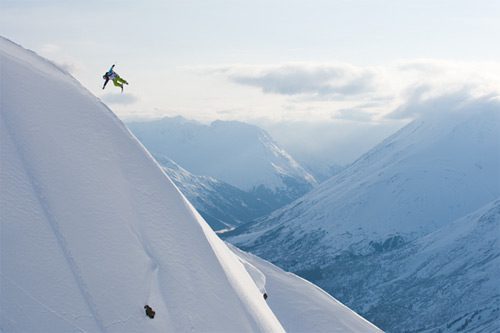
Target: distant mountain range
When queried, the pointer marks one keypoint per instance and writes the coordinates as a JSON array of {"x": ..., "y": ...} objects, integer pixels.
[
  {"x": 364, "y": 235},
  {"x": 222, "y": 205},
  {"x": 233, "y": 172}
]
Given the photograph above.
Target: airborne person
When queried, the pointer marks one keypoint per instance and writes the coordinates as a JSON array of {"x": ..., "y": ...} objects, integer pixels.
[{"x": 113, "y": 76}]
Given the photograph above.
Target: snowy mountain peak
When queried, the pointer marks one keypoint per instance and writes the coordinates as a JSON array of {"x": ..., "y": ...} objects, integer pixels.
[{"x": 237, "y": 153}]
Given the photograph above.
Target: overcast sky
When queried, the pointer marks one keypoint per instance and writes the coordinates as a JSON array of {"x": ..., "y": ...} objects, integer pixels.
[{"x": 266, "y": 61}]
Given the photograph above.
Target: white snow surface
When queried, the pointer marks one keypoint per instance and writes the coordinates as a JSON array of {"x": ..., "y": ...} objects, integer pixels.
[
  {"x": 92, "y": 229},
  {"x": 300, "y": 305}
]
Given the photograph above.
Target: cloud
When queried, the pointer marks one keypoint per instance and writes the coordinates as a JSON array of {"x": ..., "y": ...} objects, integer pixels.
[
  {"x": 438, "y": 86},
  {"x": 118, "y": 98},
  {"x": 335, "y": 81},
  {"x": 399, "y": 90},
  {"x": 425, "y": 66},
  {"x": 228, "y": 111},
  {"x": 353, "y": 114},
  {"x": 423, "y": 101}
]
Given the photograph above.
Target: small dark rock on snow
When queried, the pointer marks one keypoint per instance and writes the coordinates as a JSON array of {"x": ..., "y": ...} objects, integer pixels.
[{"x": 149, "y": 311}]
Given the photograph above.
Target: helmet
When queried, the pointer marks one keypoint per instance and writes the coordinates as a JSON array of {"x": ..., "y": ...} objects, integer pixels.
[{"x": 105, "y": 76}]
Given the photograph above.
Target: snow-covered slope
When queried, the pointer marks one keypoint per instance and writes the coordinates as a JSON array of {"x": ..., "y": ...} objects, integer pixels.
[
  {"x": 447, "y": 281},
  {"x": 239, "y": 154},
  {"x": 222, "y": 205},
  {"x": 437, "y": 169},
  {"x": 91, "y": 228},
  {"x": 460, "y": 265},
  {"x": 299, "y": 305}
]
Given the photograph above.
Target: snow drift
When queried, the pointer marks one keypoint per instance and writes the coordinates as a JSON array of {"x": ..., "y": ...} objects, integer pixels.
[{"x": 92, "y": 230}]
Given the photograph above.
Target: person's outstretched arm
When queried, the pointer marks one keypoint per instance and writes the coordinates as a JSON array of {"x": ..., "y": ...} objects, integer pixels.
[{"x": 105, "y": 83}]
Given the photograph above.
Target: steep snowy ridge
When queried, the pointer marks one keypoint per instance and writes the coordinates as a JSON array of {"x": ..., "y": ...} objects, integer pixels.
[{"x": 92, "y": 229}]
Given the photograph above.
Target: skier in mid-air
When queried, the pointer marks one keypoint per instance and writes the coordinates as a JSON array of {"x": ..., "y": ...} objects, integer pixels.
[{"x": 113, "y": 76}]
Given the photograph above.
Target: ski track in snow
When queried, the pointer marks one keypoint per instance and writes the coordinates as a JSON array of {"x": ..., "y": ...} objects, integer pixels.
[
  {"x": 155, "y": 266},
  {"x": 54, "y": 225}
]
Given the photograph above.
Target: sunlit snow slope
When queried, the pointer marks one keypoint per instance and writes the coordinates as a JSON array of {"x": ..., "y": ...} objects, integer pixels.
[{"x": 91, "y": 228}]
